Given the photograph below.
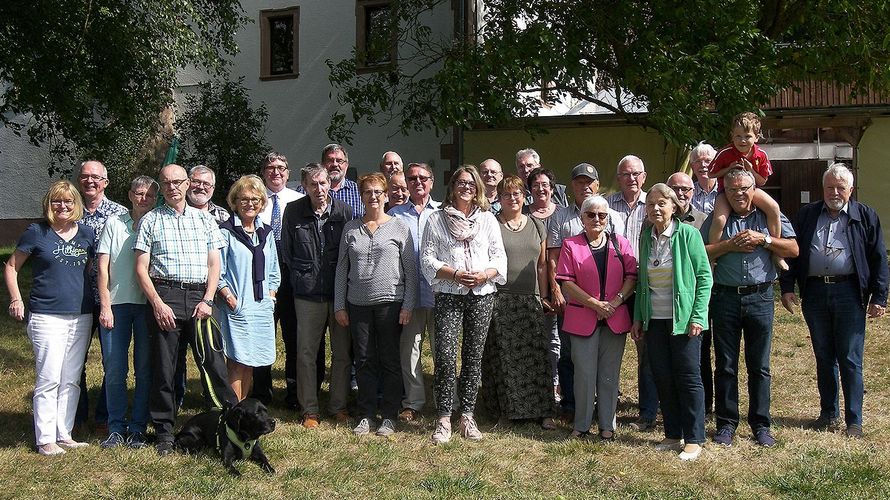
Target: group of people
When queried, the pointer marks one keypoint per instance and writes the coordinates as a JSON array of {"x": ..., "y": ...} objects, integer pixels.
[{"x": 535, "y": 290}]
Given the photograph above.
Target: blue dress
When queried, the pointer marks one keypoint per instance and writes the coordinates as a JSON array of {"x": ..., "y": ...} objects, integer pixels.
[{"x": 249, "y": 330}]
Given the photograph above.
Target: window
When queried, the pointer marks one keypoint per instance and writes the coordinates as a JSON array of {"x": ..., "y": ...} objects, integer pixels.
[
  {"x": 375, "y": 40},
  {"x": 279, "y": 44}
]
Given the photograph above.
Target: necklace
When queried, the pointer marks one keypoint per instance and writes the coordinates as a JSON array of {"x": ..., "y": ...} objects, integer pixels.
[
  {"x": 518, "y": 225},
  {"x": 596, "y": 245}
]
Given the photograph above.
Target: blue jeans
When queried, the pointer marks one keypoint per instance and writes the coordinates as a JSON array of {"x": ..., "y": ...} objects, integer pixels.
[
  {"x": 836, "y": 319},
  {"x": 737, "y": 316},
  {"x": 676, "y": 365},
  {"x": 129, "y": 322},
  {"x": 646, "y": 389},
  {"x": 83, "y": 403}
]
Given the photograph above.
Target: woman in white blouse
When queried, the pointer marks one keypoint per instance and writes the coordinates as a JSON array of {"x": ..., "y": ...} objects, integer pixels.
[{"x": 463, "y": 259}]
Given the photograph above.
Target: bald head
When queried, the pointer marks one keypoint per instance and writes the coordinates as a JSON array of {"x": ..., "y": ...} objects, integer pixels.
[
  {"x": 492, "y": 173},
  {"x": 390, "y": 163},
  {"x": 683, "y": 187},
  {"x": 174, "y": 184}
]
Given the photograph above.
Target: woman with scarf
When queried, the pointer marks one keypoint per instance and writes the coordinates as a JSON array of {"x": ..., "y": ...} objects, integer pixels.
[
  {"x": 249, "y": 281},
  {"x": 462, "y": 257}
]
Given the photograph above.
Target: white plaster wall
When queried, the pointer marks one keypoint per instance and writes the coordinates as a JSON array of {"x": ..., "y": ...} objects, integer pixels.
[{"x": 23, "y": 177}]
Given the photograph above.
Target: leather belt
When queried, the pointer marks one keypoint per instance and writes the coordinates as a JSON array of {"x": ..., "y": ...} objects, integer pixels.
[
  {"x": 745, "y": 290},
  {"x": 830, "y": 280},
  {"x": 180, "y": 284}
]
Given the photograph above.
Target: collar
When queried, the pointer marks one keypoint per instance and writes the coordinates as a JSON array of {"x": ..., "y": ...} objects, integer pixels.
[
  {"x": 700, "y": 189},
  {"x": 844, "y": 210},
  {"x": 246, "y": 447},
  {"x": 668, "y": 231}
]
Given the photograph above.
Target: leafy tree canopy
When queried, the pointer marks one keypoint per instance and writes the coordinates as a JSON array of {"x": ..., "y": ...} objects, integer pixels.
[
  {"x": 692, "y": 64},
  {"x": 85, "y": 75}
]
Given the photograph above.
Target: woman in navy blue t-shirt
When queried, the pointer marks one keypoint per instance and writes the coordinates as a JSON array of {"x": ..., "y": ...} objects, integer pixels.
[{"x": 60, "y": 311}]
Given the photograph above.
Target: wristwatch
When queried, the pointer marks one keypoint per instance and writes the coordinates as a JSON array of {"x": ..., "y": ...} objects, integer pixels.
[
  {"x": 767, "y": 240},
  {"x": 208, "y": 302},
  {"x": 620, "y": 296}
]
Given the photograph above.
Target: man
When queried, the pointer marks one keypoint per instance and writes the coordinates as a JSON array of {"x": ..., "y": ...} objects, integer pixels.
[
  {"x": 630, "y": 202},
  {"x": 528, "y": 160},
  {"x": 492, "y": 174},
  {"x": 178, "y": 267},
  {"x": 336, "y": 161},
  {"x": 415, "y": 214},
  {"x": 396, "y": 191},
  {"x": 742, "y": 299},
  {"x": 842, "y": 276},
  {"x": 97, "y": 209},
  {"x": 202, "y": 183},
  {"x": 311, "y": 232},
  {"x": 683, "y": 187},
  {"x": 706, "y": 188},
  {"x": 565, "y": 223},
  {"x": 275, "y": 173},
  {"x": 390, "y": 164}
]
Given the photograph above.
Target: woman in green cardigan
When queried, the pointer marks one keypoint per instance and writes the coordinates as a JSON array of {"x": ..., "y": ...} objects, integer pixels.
[{"x": 673, "y": 290}]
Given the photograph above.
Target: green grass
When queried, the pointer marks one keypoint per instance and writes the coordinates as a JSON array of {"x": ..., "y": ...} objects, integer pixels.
[{"x": 511, "y": 462}]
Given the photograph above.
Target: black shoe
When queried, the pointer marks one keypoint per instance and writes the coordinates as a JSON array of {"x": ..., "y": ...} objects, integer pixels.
[
  {"x": 854, "y": 431},
  {"x": 824, "y": 423},
  {"x": 114, "y": 440},
  {"x": 724, "y": 436},
  {"x": 164, "y": 448},
  {"x": 136, "y": 441},
  {"x": 764, "y": 438},
  {"x": 642, "y": 425}
]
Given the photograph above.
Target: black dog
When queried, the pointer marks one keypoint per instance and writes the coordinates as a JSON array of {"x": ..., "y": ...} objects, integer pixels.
[{"x": 233, "y": 431}]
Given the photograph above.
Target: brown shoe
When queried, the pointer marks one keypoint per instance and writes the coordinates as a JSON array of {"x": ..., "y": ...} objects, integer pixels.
[
  {"x": 342, "y": 417},
  {"x": 408, "y": 415},
  {"x": 310, "y": 421}
]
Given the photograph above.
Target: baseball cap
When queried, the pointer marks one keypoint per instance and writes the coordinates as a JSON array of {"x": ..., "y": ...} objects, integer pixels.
[{"x": 585, "y": 169}]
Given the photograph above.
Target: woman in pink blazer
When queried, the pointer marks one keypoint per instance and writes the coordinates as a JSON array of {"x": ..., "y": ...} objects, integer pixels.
[{"x": 597, "y": 271}]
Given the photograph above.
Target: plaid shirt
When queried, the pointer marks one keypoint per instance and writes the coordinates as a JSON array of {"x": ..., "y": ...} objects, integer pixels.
[
  {"x": 96, "y": 220},
  {"x": 178, "y": 244},
  {"x": 633, "y": 217},
  {"x": 702, "y": 200}
]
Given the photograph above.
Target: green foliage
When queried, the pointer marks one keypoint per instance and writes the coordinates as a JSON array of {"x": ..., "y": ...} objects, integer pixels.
[
  {"x": 692, "y": 64},
  {"x": 84, "y": 77},
  {"x": 222, "y": 129}
]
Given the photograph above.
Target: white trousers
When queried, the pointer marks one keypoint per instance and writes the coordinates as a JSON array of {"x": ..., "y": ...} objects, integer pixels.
[{"x": 60, "y": 344}]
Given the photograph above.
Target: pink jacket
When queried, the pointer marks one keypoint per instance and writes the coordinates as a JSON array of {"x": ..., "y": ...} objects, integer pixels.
[{"x": 576, "y": 264}]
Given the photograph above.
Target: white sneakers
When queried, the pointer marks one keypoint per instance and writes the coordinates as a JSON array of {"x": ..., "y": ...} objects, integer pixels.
[
  {"x": 442, "y": 434},
  {"x": 468, "y": 429},
  {"x": 690, "y": 452}
]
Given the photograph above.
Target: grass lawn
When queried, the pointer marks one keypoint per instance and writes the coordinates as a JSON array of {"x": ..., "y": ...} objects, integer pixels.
[{"x": 521, "y": 461}]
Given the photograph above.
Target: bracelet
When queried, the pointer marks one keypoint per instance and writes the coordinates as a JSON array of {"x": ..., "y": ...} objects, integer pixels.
[
  {"x": 208, "y": 302},
  {"x": 454, "y": 278},
  {"x": 11, "y": 302}
]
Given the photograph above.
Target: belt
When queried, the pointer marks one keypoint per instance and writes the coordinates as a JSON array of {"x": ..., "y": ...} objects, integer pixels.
[
  {"x": 180, "y": 284},
  {"x": 830, "y": 280},
  {"x": 745, "y": 290}
]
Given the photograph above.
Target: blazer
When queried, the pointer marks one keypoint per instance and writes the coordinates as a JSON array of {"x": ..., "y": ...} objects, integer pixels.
[{"x": 576, "y": 265}]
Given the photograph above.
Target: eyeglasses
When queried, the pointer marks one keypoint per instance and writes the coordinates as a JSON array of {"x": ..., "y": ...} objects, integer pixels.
[
  {"x": 681, "y": 189},
  {"x": 203, "y": 184},
  {"x": 631, "y": 174},
  {"x": 597, "y": 215},
  {"x": 338, "y": 161},
  {"x": 374, "y": 193},
  {"x": 249, "y": 201},
  {"x": 419, "y": 178},
  {"x": 514, "y": 194},
  {"x": 276, "y": 168},
  {"x": 465, "y": 184},
  {"x": 173, "y": 183},
  {"x": 739, "y": 190},
  {"x": 541, "y": 185},
  {"x": 93, "y": 178},
  {"x": 59, "y": 203},
  {"x": 528, "y": 165}
]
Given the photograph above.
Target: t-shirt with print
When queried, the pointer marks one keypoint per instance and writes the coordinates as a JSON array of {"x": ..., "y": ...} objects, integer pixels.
[{"x": 60, "y": 282}]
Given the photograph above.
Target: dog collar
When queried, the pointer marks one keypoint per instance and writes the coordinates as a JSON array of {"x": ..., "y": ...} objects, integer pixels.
[{"x": 245, "y": 446}]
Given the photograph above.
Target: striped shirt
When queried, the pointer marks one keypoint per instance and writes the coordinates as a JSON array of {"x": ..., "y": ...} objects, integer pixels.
[
  {"x": 566, "y": 222},
  {"x": 633, "y": 217},
  {"x": 702, "y": 200},
  {"x": 661, "y": 274},
  {"x": 178, "y": 244}
]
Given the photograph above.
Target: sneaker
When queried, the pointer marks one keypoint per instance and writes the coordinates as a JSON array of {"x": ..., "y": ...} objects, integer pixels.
[
  {"x": 824, "y": 423},
  {"x": 643, "y": 425},
  {"x": 690, "y": 452},
  {"x": 363, "y": 427},
  {"x": 668, "y": 444},
  {"x": 114, "y": 440},
  {"x": 408, "y": 415},
  {"x": 764, "y": 438},
  {"x": 442, "y": 434},
  {"x": 137, "y": 441},
  {"x": 724, "y": 436},
  {"x": 468, "y": 429},
  {"x": 387, "y": 428},
  {"x": 72, "y": 444},
  {"x": 310, "y": 420},
  {"x": 854, "y": 431},
  {"x": 50, "y": 449}
]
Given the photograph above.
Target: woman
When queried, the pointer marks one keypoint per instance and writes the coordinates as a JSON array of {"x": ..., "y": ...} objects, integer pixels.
[
  {"x": 122, "y": 318},
  {"x": 598, "y": 272},
  {"x": 671, "y": 311},
  {"x": 540, "y": 184},
  {"x": 462, "y": 257},
  {"x": 375, "y": 291},
  {"x": 248, "y": 283},
  {"x": 516, "y": 370},
  {"x": 61, "y": 304}
]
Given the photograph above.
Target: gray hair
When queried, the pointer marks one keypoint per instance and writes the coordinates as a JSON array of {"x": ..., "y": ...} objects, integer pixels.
[
  {"x": 143, "y": 181},
  {"x": 272, "y": 157},
  {"x": 422, "y": 166},
  {"x": 738, "y": 173},
  {"x": 702, "y": 148},
  {"x": 330, "y": 148},
  {"x": 630, "y": 158},
  {"x": 104, "y": 170},
  {"x": 595, "y": 201},
  {"x": 202, "y": 169},
  {"x": 522, "y": 153},
  {"x": 839, "y": 171},
  {"x": 311, "y": 170},
  {"x": 665, "y": 191}
]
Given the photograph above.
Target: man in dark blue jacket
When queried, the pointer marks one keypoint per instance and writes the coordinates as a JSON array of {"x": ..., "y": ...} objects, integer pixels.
[
  {"x": 842, "y": 276},
  {"x": 312, "y": 227}
]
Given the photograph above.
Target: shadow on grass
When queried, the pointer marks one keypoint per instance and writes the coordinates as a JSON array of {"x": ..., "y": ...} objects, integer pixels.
[{"x": 17, "y": 429}]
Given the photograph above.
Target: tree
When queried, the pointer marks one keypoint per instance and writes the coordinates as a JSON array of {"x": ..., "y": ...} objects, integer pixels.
[
  {"x": 691, "y": 65},
  {"x": 221, "y": 129},
  {"x": 85, "y": 76}
]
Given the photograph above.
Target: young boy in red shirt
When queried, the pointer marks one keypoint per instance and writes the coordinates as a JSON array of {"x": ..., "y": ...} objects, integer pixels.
[{"x": 744, "y": 153}]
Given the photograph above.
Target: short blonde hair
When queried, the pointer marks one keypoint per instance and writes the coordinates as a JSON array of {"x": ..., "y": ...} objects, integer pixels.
[
  {"x": 480, "y": 200},
  {"x": 372, "y": 178},
  {"x": 59, "y": 189},
  {"x": 747, "y": 121},
  {"x": 251, "y": 183}
]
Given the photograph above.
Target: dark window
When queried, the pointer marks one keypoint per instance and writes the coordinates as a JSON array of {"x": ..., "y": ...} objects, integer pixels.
[
  {"x": 375, "y": 36},
  {"x": 279, "y": 52}
]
